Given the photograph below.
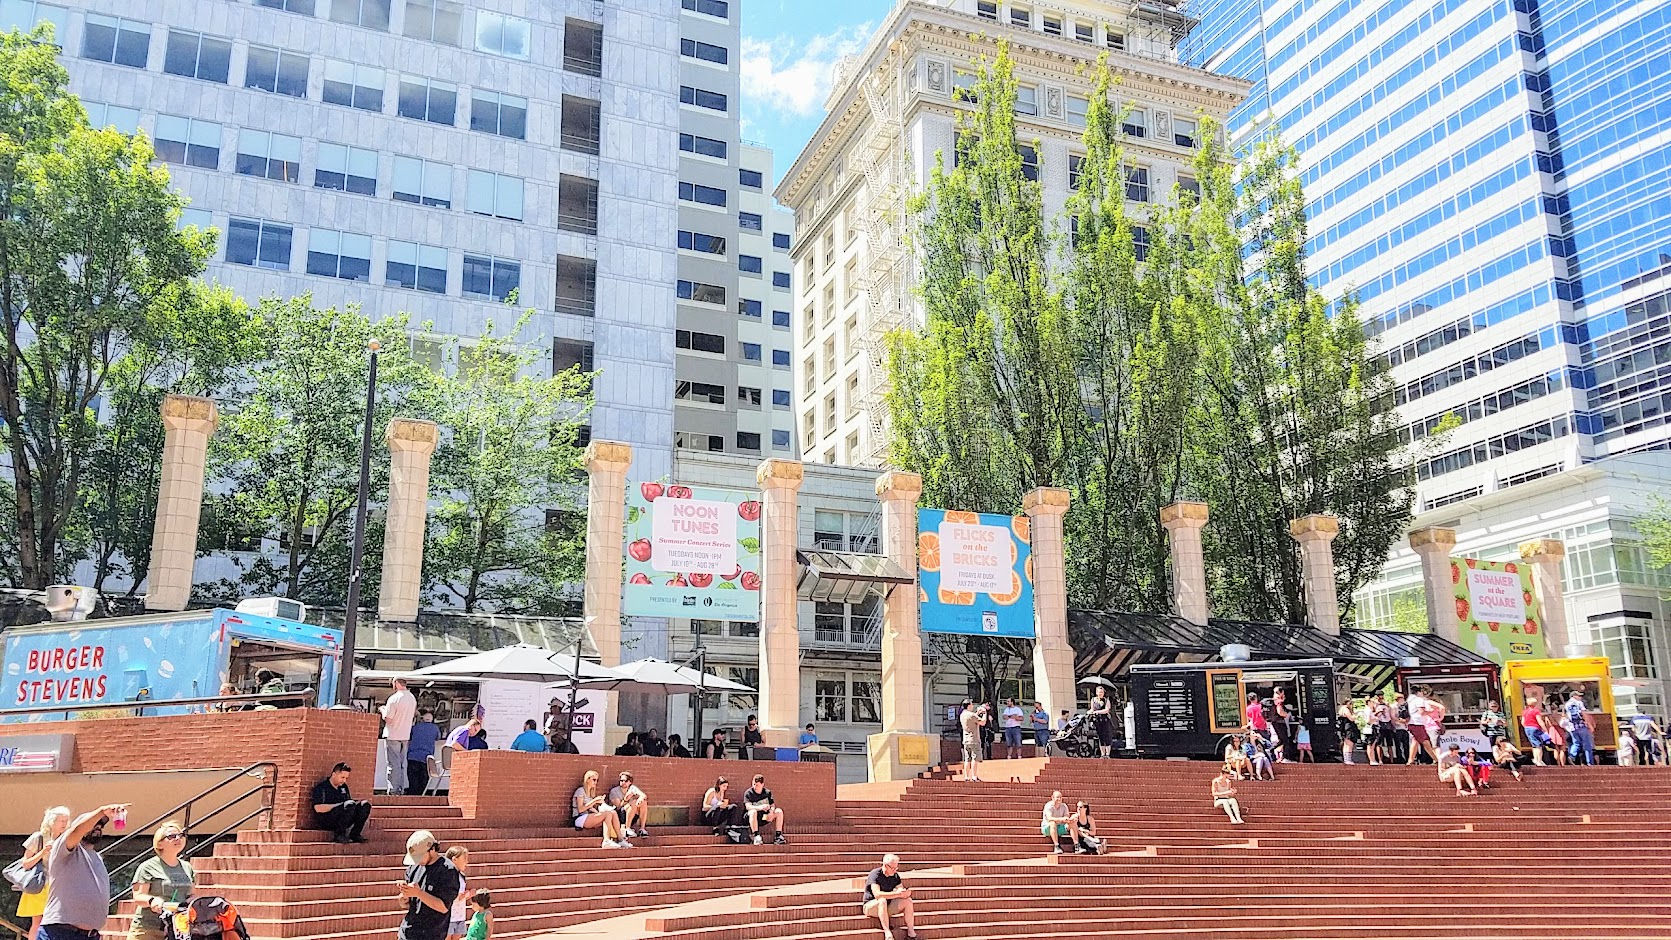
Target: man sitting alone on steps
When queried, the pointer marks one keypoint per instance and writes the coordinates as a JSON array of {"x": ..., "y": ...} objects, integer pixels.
[
  {"x": 345, "y": 818},
  {"x": 886, "y": 895},
  {"x": 1059, "y": 821},
  {"x": 1224, "y": 797}
]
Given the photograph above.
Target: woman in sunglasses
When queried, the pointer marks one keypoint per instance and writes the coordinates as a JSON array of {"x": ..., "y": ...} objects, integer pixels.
[{"x": 161, "y": 883}]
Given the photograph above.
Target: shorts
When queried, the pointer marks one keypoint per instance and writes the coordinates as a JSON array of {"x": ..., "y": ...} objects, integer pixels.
[
  {"x": 895, "y": 905},
  {"x": 1061, "y": 829},
  {"x": 1536, "y": 736},
  {"x": 1418, "y": 733},
  {"x": 1385, "y": 733},
  {"x": 972, "y": 749},
  {"x": 457, "y": 928},
  {"x": 581, "y": 821},
  {"x": 1012, "y": 737},
  {"x": 1305, "y": 747}
]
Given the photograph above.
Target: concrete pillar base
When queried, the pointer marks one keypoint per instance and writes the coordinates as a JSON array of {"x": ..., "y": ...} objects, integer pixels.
[{"x": 895, "y": 755}]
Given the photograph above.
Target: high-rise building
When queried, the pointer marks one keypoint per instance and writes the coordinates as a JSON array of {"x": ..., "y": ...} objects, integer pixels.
[
  {"x": 1493, "y": 179},
  {"x": 893, "y": 113}
]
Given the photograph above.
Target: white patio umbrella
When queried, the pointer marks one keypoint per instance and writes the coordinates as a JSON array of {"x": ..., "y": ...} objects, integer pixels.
[
  {"x": 523, "y": 661},
  {"x": 655, "y": 675}
]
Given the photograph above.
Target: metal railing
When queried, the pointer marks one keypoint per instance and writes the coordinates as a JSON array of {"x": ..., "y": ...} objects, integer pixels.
[
  {"x": 262, "y": 778},
  {"x": 302, "y": 697}
]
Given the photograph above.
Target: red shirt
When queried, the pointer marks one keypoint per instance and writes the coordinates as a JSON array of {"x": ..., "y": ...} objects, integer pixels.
[
  {"x": 1256, "y": 716},
  {"x": 1530, "y": 717}
]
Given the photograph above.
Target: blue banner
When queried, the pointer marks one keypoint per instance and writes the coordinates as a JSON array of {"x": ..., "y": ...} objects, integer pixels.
[{"x": 975, "y": 573}]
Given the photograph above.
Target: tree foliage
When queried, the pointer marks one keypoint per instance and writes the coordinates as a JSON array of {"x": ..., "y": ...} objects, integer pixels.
[{"x": 1655, "y": 527}]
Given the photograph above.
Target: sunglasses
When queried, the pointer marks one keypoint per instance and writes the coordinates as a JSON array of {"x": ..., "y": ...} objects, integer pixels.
[{"x": 175, "y": 837}]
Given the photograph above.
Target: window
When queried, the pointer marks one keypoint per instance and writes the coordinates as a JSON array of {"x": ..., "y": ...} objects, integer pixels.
[
  {"x": 780, "y": 358},
  {"x": 749, "y": 220},
  {"x": 1137, "y": 183},
  {"x": 117, "y": 41},
  {"x": 1078, "y": 110},
  {"x": 25, "y": 15},
  {"x": 986, "y": 9},
  {"x": 423, "y": 182},
  {"x": 1052, "y": 25},
  {"x": 582, "y": 124},
  {"x": 1114, "y": 40},
  {"x": 780, "y": 439},
  {"x": 277, "y": 71},
  {"x": 699, "y": 342},
  {"x": 706, "y": 146},
  {"x": 503, "y": 35},
  {"x": 188, "y": 142},
  {"x": 569, "y": 354},
  {"x": 963, "y": 86},
  {"x": 274, "y": 156},
  {"x": 780, "y": 280},
  {"x": 303, "y": 7},
  {"x": 749, "y": 264},
  {"x": 1026, "y": 99},
  {"x": 434, "y": 20},
  {"x": 1076, "y": 168},
  {"x": 416, "y": 267},
  {"x": 577, "y": 286},
  {"x": 339, "y": 254},
  {"x": 1183, "y": 132},
  {"x": 348, "y": 169},
  {"x": 691, "y": 440},
  {"x": 195, "y": 55},
  {"x": 750, "y": 178},
  {"x": 1140, "y": 243},
  {"x": 1022, "y": 17},
  {"x": 125, "y": 120},
  {"x": 356, "y": 86},
  {"x": 706, "y": 52},
  {"x": 1085, "y": 32},
  {"x": 751, "y": 352},
  {"x": 748, "y": 440},
  {"x": 707, "y": 244},
  {"x": 780, "y": 318},
  {"x": 749, "y": 308},
  {"x": 702, "y": 195},
  {"x": 495, "y": 195},
  {"x": 577, "y": 204},
  {"x": 1189, "y": 184},
  {"x": 1135, "y": 123},
  {"x": 372, "y": 14},
  {"x": 697, "y": 292},
  {"x": 491, "y": 278},
  {"x": 780, "y": 241},
  {"x": 427, "y": 99},
  {"x": 780, "y": 398},
  {"x": 583, "y": 47},
  {"x": 202, "y": 219},
  {"x": 717, "y": 8},
  {"x": 748, "y": 396},
  {"x": 258, "y": 243},
  {"x": 1029, "y": 161},
  {"x": 700, "y": 392},
  {"x": 702, "y": 98}
]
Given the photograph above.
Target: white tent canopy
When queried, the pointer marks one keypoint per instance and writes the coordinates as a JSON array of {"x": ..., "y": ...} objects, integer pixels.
[
  {"x": 519, "y": 662},
  {"x": 655, "y": 675}
]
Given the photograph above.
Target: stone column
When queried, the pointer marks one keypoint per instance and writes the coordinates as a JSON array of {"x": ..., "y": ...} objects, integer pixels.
[
  {"x": 1434, "y": 546},
  {"x": 1053, "y": 678},
  {"x": 411, "y": 443},
  {"x": 780, "y": 630},
  {"x": 1316, "y": 533},
  {"x": 1544, "y": 555},
  {"x": 901, "y": 751},
  {"x": 1184, "y": 521},
  {"x": 187, "y": 423},
  {"x": 606, "y": 508}
]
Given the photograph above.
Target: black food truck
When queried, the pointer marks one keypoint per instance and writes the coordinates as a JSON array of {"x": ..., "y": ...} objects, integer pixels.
[{"x": 1192, "y": 709}]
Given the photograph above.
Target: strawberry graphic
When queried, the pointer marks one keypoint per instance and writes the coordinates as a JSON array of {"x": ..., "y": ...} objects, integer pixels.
[
  {"x": 1456, "y": 573},
  {"x": 1511, "y": 568},
  {"x": 1531, "y": 627},
  {"x": 651, "y": 491},
  {"x": 1462, "y": 609},
  {"x": 1473, "y": 562}
]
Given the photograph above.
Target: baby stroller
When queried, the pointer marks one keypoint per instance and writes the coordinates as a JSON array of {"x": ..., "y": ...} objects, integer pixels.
[{"x": 1078, "y": 739}]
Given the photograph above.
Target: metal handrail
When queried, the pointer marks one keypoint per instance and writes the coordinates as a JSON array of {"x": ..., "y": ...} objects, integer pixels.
[
  {"x": 268, "y": 773},
  {"x": 258, "y": 698}
]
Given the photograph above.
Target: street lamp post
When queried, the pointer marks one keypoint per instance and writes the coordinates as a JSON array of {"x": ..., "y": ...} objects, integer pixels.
[{"x": 356, "y": 558}]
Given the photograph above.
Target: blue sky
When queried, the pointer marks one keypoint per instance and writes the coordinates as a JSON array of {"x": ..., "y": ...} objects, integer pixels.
[{"x": 789, "y": 48}]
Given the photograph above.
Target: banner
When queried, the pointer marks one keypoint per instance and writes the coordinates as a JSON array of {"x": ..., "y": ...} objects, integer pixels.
[
  {"x": 974, "y": 573},
  {"x": 692, "y": 552},
  {"x": 1497, "y": 615}
]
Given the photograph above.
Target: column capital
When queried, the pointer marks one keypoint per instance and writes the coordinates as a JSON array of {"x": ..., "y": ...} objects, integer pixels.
[
  {"x": 189, "y": 413},
  {"x": 1046, "y": 501},
  {"x": 1433, "y": 539},
  {"x": 604, "y": 456},
  {"x": 775, "y": 473},
  {"x": 897, "y": 484},
  {"x": 412, "y": 434},
  {"x": 1318, "y": 525},
  {"x": 1543, "y": 550},
  {"x": 1184, "y": 514}
]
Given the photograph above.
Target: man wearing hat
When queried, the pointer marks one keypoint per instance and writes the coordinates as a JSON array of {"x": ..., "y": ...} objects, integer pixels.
[{"x": 430, "y": 887}]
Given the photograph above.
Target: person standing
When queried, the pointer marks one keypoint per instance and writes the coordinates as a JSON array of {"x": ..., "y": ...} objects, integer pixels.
[
  {"x": 1532, "y": 722},
  {"x": 160, "y": 881},
  {"x": 1255, "y": 712},
  {"x": 458, "y": 919},
  {"x": 420, "y": 747},
  {"x": 1423, "y": 736},
  {"x": 36, "y": 848},
  {"x": 1041, "y": 729},
  {"x": 1644, "y": 731},
  {"x": 79, "y": 901},
  {"x": 1383, "y": 734},
  {"x": 398, "y": 713},
  {"x": 530, "y": 740},
  {"x": 1101, "y": 712},
  {"x": 1582, "y": 735},
  {"x": 971, "y": 720},
  {"x": 430, "y": 886},
  {"x": 752, "y": 738},
  {"x": 1013, "y": 717},
  {"x": 1282, "y": 717}
]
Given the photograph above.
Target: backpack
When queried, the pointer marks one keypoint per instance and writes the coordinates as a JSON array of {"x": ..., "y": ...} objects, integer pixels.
[
  {"x": 206, "y": 918},
  {"x": 738, "y": 835}
]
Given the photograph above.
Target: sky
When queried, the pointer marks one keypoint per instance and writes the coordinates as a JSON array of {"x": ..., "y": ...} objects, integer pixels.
[{"x": 789, "y": 50}]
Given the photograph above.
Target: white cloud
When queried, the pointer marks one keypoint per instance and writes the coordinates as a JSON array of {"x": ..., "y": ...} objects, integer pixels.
[{"x": 792, "y": 76}]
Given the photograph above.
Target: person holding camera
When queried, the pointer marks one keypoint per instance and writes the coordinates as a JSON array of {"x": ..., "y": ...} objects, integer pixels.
[{"x": 972, "y": 720}]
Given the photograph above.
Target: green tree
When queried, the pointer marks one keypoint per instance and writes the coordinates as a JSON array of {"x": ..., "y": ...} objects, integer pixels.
[
  {"x": 1655, "y": 527},
  {"x": 89, "y": 251}
]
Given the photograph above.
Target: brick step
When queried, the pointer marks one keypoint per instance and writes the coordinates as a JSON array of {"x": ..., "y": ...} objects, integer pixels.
[{"x": 512, "y": 839}]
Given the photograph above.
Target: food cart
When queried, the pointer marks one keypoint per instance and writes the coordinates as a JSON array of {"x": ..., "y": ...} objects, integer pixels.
[
  {"x": 1463, "y": 689},
  {"x": 1192, "y": 709},
  {"x": 1550, "y": 681}
]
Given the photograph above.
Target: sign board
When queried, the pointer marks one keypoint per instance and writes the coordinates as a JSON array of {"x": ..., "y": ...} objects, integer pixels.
[
  {"x": 913, "y": 749},
  {"x": 1224, "y": 696},
  {"x": 1171, "y": 707},
  {"x": 975, "y": 573},
  {"x": 1497, "y": 614},
  {"x": 692, "y": 552},
  {"x": 37, "y": 753}
]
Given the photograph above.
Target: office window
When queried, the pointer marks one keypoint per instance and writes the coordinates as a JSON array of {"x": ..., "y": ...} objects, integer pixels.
[
  {"x": 356, "y": 86},
  {"x": 780, "y": 318},
  {"x": 1052, "y": 24},
  {"x": 427, "y": 99},
  {"x": 582, "y": 124},
  {"x": 748, "y": 396},
  {"x": 1026, "y": 99},
  {"x": 1114, "y": 39},
  {"x": 303, "y": 7},
  {"x": 277, "y": 71},
  {"x": 583, "y": 47},
  {"x": 780, "y": 241},
  {"x": 577, "y": 286},
  {"x": 780, "y": 280},
  {"x": 495, "y": 195},
  {"x": 339, "y": 254},
  {"x": 416, "y": 267},
  {"x": 1140, "y": 243},
  {"x": 188, "y": 142},
  {"x": 1135, "y": 123},
  {"x": 503, "y": 35},
  {"x": 434, "y": 20},
  {"x": 492, "y": 112},
  {"x": 749, "y": 220},
  {"x": 577, "y": 204},
  {"x": 780, "y": 358},
  {"x": 1076, "y": 168},
  {"x": 690, "y": 440},
  {"x": 698, "y": 241},
  {"x": 258, "y": 243},
  {"x": 25, "y": 15},
  {"x": 1078, "y": 109},
  {"x": 702, "y": 98},
  {"x": 701, "y": 195},
  {"x": 748, "y": 440},
  {"x": 195, "y": 55},
  {"x": 1183, "y": 132},
  {"x": 751, "y": 352},
  {"x": 1021, "y": 16},
  {"x": 703, "y": 392},
  {"x": 115, "y": 40},
  {"x": 717, "y": 8},
  {"x": 963, "y": 86},
  {"x": 274, "y": 156},
  {"x": 780, "y": 398},
  {"x": 1137, "y": 183},
  {"x": 704, "y": 51},
  {"x": 348, "y": 169},
  {"x": 780, "y": 438},
  {"x": 1085, "y": 32},
  {"x": 750, "y": 178},
  {"x": 491, "y": 278},
  {"x": 569, "y": 354},
  {"x": 749, "y": 308},
  {"x": 200, "y": 219},
  {"x": 986, "y": 9},
  {"x": 372, "y": 14},
  {"x": 100, "y": 116},
  {"x": 749, "y": 264},
  {"x": 1029, "y": 161},
  {"x": 1189, "y": 184},
  {"x": 699, "y": 342},
  {"x": 706, "y": 146},
  {"x": 423, "y": 182},
  {"x": 697, "y": 292}
]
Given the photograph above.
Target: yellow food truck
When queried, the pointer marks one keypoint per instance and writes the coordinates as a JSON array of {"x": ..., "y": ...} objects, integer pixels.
[{"x": 1550, "y": 681}]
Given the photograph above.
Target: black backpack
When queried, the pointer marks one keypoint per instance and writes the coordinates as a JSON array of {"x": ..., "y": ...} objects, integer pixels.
[{"x": 739, "y": 835}]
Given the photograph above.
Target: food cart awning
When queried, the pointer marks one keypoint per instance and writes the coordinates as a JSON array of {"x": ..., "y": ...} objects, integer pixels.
[{"x": 846, "y": 577}]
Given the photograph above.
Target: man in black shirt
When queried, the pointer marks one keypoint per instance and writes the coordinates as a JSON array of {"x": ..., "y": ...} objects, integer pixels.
[
  {"x": 762, "y": 809},
  {"x": 752, "y": 738},
  {"x": 563, "y": 744},
  {"x": 630, "y": 748},
  {"x": 344, "y": 817},
  {"x": 886, "y": 895},
  {"x": 652, "y": 745},
  {"x": 676, "y": 746},
  {"x": 430, "y": 888}
]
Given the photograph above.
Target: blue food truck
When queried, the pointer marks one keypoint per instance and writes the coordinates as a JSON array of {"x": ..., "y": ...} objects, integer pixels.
[{"x": 156, "y": 658}]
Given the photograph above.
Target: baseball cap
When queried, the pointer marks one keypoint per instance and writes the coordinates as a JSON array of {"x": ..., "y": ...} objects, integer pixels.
[{"x": 418, "y": 844}]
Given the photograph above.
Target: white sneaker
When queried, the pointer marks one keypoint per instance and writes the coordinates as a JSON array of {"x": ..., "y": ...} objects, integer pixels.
[
  {"x": 629, "y": 833},
  {"x": 757, "y": 840},
  {"x": 623, "y": 844},
  {"x": 611, "y": 844}
]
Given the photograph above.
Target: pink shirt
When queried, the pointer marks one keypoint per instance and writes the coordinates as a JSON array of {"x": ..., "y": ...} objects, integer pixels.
[{"x": 1256, "y": 716}]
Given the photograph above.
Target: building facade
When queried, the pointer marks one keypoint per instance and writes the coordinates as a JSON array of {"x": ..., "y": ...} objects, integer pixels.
[{"x": 892, "y": 114}]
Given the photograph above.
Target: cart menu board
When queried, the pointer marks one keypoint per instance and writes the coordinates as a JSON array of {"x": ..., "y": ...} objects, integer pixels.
[
  {"x": 1171, "y": 708},
  {"x": 1224, "y": 692},
  {"x": 1317, "y": 697}
]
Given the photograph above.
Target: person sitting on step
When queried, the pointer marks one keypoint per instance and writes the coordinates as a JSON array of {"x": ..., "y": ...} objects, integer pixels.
[
  {"x": 886, "y": 895},
  {"x": 718, "y": 810},
  {"x": 1258, "y": 753},
  {"x": 1224, "y": 797},
  {"x": 762, "y": 809},
  {"x": 1452, "y": 770},
  {"x": 591, "y": 810},
  {"x": 1086, "y": 825},
  {"x": 1236, "y": 763},
  {"x": 631, "y": 803},
  {"x": 344, "y": 817},
  {"x": 1507, "y": 756},
  {"x": 1058, "y": 822}
]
